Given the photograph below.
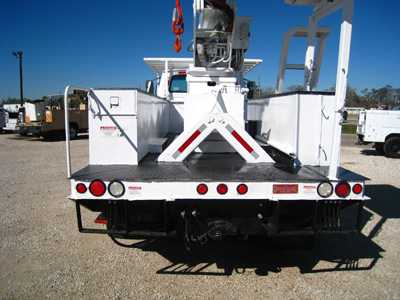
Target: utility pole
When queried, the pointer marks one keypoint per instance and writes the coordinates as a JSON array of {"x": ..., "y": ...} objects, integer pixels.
[{"x": 19, "y": 55}]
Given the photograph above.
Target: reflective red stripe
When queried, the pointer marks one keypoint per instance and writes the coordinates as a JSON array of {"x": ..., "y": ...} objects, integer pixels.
[
  {"x": 189, "y": 141},
  {"x": 242, "y": 141}
]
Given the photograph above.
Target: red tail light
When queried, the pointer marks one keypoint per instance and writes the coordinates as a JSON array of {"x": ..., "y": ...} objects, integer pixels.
[
  {"x": 242, "y": 189},
  {"x": 222, "y": 189},
  {"x": 357, "y": 189},
  {"x": 81, "y": 188},
  {"x": 97, "y": 188},
  {"x": 202, "y": 189},
  {"x": 342, "y": 189}
]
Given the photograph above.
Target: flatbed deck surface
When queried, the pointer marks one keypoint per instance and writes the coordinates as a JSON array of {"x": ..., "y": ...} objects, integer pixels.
[{"x": 204, "y": 167}]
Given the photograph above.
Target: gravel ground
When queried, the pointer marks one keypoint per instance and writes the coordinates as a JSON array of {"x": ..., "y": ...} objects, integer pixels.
[{"x": 44, "y": 256}]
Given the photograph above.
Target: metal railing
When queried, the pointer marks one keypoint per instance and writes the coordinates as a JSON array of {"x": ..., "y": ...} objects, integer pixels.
[{"x": 66, "y": 119}]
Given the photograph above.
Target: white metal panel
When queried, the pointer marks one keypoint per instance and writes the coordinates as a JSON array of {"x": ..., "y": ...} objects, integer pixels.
[
  {"x": 115, "y": 101},
  {"x": 152, "y": 121},
  {"x": 12, "y": 108},
  {"x": 225, "y": 125},
  {"x": 327, "y": 128},
  {"x": 391, "y": 120},
  {"x": 34, "y": 111},
  {"x": 122, "y": 124},
  {"x": 187, "y": 190},
  {"x": 297, "y": 124},
  {"x": 373, "y": 128},
  {"x": 113, "y": 136},
  {"x": 279, "y": 118},
  {"x": 379, "y": 124},
  {"x": 198, "y": 105},
  {"x": 111, "y": 144},
  {"x": 176, "y": 114}
]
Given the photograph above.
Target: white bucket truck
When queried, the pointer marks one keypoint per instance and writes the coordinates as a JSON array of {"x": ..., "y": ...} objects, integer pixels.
[
  {"x": 196, "y": 157},
  {"x": 381, "y": 127}
]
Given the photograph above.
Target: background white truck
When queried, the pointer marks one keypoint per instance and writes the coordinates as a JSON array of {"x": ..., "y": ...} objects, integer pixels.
[
  {"x": 381, "y": 127},
  {"x": 11, "y": 116},
  {"x": 199, "y": 159}
]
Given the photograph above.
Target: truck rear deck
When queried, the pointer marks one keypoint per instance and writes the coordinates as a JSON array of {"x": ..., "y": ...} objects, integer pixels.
[
  {"x": 208, "y": 167},
  {"x": 276, "y": 195}
]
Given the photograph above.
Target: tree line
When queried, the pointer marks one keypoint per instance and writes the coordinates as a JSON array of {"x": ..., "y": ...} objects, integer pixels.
[
  {"x": 13, "y": 100},
  {"x": 386, "y": 96}
]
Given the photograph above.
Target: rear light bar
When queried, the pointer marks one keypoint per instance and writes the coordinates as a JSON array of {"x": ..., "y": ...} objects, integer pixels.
[
  {"x": 222, "y": 189},
  {"x": 98, "y": 188},
  {"x": 325, "y": 189}
]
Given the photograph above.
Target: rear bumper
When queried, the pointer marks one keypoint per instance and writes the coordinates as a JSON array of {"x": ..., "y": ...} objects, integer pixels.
[
  {"x": 217, "y": 219},
  {"x": 25, "y": 129}
]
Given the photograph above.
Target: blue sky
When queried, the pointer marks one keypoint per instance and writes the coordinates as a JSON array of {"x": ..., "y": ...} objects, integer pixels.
[{"x": 102, "y": 43}]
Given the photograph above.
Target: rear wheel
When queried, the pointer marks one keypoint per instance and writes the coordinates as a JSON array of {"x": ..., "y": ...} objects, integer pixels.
[
  {"x": 392, "y": 147},
  {"x": 73, "y": 132}
]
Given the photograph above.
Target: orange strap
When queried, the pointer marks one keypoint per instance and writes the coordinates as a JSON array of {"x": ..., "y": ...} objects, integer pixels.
[{"x": 176, "y": 29}]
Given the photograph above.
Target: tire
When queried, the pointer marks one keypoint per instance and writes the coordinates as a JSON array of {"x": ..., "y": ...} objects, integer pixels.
[
  {"x": 392, "y": 147},
  {"x": 379, "y": 148},
  {"x": 73, "y": 132}
]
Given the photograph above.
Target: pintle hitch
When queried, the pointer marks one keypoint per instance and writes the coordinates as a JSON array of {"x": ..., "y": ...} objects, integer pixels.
[{"x": 220, "y": 229}]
